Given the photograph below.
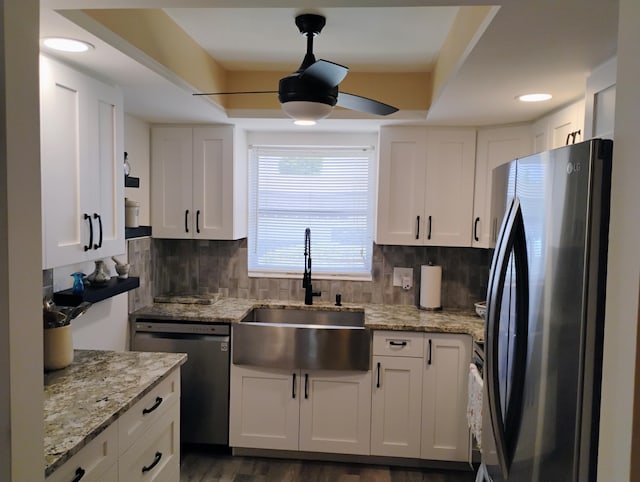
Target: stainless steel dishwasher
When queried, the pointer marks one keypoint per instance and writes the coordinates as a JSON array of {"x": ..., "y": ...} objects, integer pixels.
[{"x": 204, "y": 411}]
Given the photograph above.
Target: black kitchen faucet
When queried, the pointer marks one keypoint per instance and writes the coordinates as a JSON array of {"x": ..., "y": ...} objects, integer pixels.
[{"x": 306, "y": 277}]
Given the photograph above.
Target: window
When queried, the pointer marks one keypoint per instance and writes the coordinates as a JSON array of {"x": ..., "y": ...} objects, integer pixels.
[{"x": 327, "y": 189}]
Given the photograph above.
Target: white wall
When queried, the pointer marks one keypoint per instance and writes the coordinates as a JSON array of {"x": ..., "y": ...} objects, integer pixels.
[
  {"x": 623, "y": 281},
  {"x": 21, "y": 365},
  {"x": 104, "y": 326},
  {"x": 136, "y": 144}
]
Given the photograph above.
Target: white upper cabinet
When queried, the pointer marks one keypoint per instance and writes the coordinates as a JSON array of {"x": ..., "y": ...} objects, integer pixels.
[
  {"x": 198, "y": 182},
  {"x": 449, "y": 187},
  {"x": 558, "y": 128},
  {"x": 496, "y": 146},
  {"x": 600, "y": 101},
  {"x": 82, "y": 159},
  {"x": 401, "y": 185},
  {"x": 425, "y": 188}
]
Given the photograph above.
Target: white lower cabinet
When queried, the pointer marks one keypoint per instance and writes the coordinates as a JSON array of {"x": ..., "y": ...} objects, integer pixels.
[
  {"x": 156, "y": 454},
  {"x": 264, "y": 408},
  {"x": 419, "y": 395},
  {"x": 143, "y": 444},
  {"x": 411, "y": 404},
  {"x": 97, "y": 461},
  {"x": 148, "y": 411},
  {"x": 445, "y": 433},
  {"x": 396, "y": 407},
  {"x": 335, "y": 411},
  {"x": 305, "y": 410}
]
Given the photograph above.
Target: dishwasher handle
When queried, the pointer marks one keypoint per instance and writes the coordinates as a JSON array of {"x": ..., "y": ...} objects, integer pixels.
[
  {"x": 182, "y": 336},
  {"x": 182, "y": 328}
]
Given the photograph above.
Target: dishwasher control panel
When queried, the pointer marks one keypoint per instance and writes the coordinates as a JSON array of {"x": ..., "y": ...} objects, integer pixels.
[{"x": 156, "y": 326}]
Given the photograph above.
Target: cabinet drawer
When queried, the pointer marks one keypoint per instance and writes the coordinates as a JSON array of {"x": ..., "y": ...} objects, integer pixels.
[
  {"x": 156, "y": 454},
  {"x": 398, "y": 343},
  {"x": 93, "y": 460},
  {"x": 148, "y": 410}
]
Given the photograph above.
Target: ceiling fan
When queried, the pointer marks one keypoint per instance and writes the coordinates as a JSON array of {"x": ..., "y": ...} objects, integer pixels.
[{"x": 311, "y": 92}]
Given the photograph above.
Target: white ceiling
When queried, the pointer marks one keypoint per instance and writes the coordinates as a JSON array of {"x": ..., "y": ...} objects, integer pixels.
[
  {"x": 390, "y": 39},
  {"x": 541, "y": 45}
]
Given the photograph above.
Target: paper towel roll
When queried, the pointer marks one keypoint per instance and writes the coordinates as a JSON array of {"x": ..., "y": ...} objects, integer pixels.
[{"x": 430, "y": 287}]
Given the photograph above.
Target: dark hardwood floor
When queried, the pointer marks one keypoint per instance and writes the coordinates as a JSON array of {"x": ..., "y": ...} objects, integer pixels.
[{"x": 200, "y": 465}]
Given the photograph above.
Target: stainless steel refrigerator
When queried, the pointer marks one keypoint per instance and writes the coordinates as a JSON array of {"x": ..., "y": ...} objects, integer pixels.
[{"x": 545, "y": 316}]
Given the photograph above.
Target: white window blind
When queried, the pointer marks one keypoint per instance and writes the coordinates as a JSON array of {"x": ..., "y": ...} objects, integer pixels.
[{"x": 327, "y": 189}]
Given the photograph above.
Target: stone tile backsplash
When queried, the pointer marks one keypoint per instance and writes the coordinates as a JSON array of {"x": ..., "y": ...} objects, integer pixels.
[
  {"x": 139, "y": 254},
  {"x": 203, "y": 267}
]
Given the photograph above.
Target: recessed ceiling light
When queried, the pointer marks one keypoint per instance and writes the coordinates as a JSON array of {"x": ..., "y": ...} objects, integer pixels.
[
  {"x": 533, "y": 97},
  {"x": 303, "y": 122},
  {"x": 67, "y": 44}
]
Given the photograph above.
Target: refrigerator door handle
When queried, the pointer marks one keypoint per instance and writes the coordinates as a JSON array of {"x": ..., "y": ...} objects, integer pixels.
[{"x": 506, "y": 426}]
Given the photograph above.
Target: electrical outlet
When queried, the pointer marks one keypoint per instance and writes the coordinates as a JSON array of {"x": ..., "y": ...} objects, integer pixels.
[
  {"x": 407, "y": 283},
  {"x": 400, "y": 274}
]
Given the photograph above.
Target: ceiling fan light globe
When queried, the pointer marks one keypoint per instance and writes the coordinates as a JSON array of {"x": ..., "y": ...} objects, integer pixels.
[{"x": 306, "y": 110}]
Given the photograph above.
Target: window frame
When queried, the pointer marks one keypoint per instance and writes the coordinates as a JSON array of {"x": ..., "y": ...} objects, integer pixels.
[{"x": 315, "y": 141}]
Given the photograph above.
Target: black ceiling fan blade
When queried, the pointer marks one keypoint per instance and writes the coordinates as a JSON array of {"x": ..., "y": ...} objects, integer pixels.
[
  {"x": 329, "y": 73},
  {"x": 236, "y": 93},
  {"x": 363, "y": 104}
]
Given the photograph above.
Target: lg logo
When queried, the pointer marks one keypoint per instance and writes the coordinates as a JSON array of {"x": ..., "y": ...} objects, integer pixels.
[{"x": 571, "y": 167}]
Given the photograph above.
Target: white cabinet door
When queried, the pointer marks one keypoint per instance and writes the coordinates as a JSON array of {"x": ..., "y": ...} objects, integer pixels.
[
  {"x": 396, "y": 408},
  {"x": 198, "y": 183},
  {"x": 401, "y": 185},
  {"x": 171, "y": 182},
  {"x": 564, "y": 123},
  {"x": 557, "y": 129},
  {"x": 148, "y": 411},
  {"x": 445, "y": 434},
  {"x": 264, "y": 408},
  {"x": 94, "y": 462},
  {"x": 219, "y": 184},
  {"x": 107, "y": 170},
  {"x": 495, "y": 146},
  {"x": 335, "y": 412},
  {"x": 425, "y": 187},
  {"x": 156, "y": 454},
  {"x": 81, "y": 166},
  {"x": 449, "y": 187},
  {"x": 600, "y": 101}
]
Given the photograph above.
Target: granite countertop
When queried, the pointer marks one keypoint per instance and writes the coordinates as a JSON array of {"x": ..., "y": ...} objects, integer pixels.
[
  {"x": 377, "y": 317},
  {"x": 82, "y": 400}
]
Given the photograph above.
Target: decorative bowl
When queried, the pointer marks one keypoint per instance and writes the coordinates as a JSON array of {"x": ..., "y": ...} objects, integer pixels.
[
  {"x": 122, "y": 270},
  {"x": 481, "y": 309}
]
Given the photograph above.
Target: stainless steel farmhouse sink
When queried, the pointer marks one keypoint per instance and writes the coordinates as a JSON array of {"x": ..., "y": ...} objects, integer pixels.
[{"x": 302, "y": 338}]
